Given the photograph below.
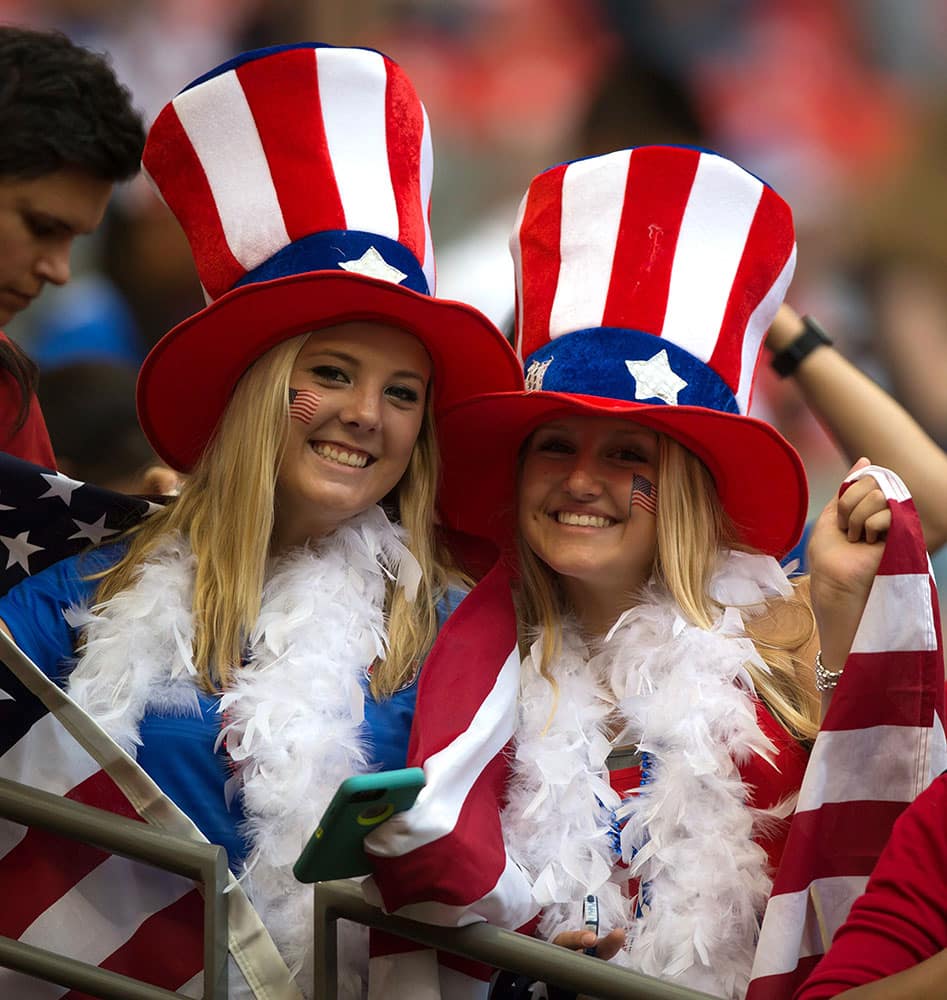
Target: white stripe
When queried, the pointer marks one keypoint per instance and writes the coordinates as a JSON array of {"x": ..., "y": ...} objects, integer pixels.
[
  {"x": 898, "y": 616},
  {"x": 791, "y": 925},
  {"x": 92, "y": 920},
  {"x": 510, "y": 904},
  {"x": 15, "y": 984},
  {"x": 220, "y": 125},
  {"x": 427, "y": 178},
  {"x": 593, "y": 198},
  {"x": 714, "y": 230},
  {"x": 890, "y": 483},
  {"x": 452, "y": 772},
  {"x": 352, "y": 87},
  {"x": 756, "y": 328},
  {"x": 195, "y": 987},
  {"x": 836, "y": 770},
  {"x": 516, "y": 251},
  {"x": 937, "y": 750},
  {"x": 405, "y": 974},
  {"x": 48, "y": 757}
]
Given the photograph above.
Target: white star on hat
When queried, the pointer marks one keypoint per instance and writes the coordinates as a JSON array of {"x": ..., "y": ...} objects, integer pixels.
[
  {"x": 373, "y": 265},
  {"x": 656, "y": 379},
  {"x": 20, "y": 550},
  {"x": 95, "y": 531},
  {"x": 60, "y": 486}
]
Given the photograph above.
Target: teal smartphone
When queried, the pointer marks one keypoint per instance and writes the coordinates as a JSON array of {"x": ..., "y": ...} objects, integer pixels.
[{"x": 359, "y": 805}]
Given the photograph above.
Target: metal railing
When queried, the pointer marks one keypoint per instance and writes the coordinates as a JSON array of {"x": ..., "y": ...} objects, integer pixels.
[
  {"x": 483, "y": 943},
  {"x": 204, "y": 863}
]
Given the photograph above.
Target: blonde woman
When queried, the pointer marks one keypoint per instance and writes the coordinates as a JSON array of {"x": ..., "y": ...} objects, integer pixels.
[
  {"x": 668, "y": 695},
  {"x": 258, "y": 639}
]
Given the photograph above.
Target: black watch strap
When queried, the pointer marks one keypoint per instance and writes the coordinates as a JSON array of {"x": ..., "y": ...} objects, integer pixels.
[{"x": 786, "y": 361}]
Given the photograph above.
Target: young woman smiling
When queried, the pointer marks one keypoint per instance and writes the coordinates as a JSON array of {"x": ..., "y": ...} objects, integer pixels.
[
  {"x": 668, "y": 696},
  {"x": 258, "y": 639}
]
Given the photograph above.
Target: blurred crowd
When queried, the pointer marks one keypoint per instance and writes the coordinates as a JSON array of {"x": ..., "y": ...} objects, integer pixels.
[{"x": 837, "y": 103}]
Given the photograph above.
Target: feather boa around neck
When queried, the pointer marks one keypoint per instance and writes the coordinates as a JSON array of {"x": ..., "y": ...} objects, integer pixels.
[
  {"x": 293, "y": 712},
  {"x": 684, "y": 695}
]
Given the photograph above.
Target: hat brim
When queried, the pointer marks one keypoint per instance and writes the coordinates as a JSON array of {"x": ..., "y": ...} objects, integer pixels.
[
  {"x": 759, "y": 475},
  {"x": 187, "y": 378}
]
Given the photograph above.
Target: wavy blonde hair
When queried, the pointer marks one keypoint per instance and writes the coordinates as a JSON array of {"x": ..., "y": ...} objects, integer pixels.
[
  {"x": 692, "y": 529},
  {"x": 226, "y": 512}
]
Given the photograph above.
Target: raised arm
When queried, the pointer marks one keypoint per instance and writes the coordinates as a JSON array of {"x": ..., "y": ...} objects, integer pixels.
[{"x": 864, "y": 420}]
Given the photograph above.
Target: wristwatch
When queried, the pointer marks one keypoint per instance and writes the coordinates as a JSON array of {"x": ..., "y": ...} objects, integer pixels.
[{"x": 786, "y": 361}]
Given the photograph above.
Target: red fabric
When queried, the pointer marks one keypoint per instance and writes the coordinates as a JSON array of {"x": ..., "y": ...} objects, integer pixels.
[
  {"x": 901, "y": 919},
  {"x": 31, "y": 442}
]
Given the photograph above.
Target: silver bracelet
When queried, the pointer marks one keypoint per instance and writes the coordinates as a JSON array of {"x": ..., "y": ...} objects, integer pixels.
[{"x": 825, "y": 680}]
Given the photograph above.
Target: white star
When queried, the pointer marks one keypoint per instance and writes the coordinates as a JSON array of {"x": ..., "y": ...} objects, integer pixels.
[
  {"x": 20, "y": 550},
  {"x": 536, "y": 374},
  {"x": 373, "y": 265},
  {"x": 95, "y": 531},
  {"x": 60, "y": 486},
  {"x": 656, "y": 379}
]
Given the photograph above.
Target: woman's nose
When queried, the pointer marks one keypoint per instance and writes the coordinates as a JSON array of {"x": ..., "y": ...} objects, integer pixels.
[
  {"x": 582, "y": 483},
  {"x": 363, "y": 409}
]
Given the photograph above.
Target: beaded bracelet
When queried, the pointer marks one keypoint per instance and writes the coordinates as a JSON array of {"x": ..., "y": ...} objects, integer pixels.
[{"x": 825, "y": 680}]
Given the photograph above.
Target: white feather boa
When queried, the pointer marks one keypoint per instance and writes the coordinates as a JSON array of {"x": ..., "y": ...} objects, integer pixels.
[
  {"x": 293, "y": 711},
  {"x": 685, "y": 697}
]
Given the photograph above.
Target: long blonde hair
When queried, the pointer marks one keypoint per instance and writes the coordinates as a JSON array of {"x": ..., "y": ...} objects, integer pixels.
[
  {"x": 692, "y": 529},
  {"x": 226, "y": 512}
]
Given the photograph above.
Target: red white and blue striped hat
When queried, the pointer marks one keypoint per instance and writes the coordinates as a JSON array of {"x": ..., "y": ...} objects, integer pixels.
[
  {"x": 301, "y": 176},
  {"x": 646, "y": 280}
]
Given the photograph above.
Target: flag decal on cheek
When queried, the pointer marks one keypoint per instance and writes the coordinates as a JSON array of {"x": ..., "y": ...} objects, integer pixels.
[
  {"x": 644, "y": 494},
  {"x": 303, "y": 404}
]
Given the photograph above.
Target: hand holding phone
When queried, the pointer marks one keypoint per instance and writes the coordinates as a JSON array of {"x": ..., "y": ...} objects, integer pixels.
[{"x": 360, "y": 804}]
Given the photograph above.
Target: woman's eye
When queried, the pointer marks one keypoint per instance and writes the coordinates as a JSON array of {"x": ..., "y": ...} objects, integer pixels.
[
  {"x": 329, "y": 373},
  {"x": 554, "y": 445},
  {"x": 40, "y": 228},
  {"x": 629, "y": 455},
  {"x": 403, "y": 393}
]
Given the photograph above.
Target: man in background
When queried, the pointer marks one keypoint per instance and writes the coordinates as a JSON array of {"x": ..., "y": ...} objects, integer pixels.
[{"x": 69, "y": 133}]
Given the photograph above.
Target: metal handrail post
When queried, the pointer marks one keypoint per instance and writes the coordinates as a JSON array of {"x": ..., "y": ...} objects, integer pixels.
[
  {"x": 484, "y": 943},
  {"x": 202, "y": 862}
]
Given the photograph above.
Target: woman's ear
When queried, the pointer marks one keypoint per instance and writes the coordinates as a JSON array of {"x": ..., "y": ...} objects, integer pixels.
[{"x": 159, "y": 479}]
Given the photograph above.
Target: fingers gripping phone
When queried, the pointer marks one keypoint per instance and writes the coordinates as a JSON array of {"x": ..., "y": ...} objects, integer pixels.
[{"x": 359, "y": 805}]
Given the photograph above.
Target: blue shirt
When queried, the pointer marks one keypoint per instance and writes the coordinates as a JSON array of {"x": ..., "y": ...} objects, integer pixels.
[{"x": 33, "y": 612}]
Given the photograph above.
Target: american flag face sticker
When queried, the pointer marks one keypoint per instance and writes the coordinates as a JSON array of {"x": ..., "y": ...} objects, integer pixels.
[
  {"x": 303, "y": 404},
  {"x": 644, "y": 494}
]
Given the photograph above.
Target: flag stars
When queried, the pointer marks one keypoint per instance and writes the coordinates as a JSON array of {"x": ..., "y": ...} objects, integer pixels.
[
  {"x": 95, "y": 531},
  {"x": 656, "y": 379},
  {"x": 60, "y": 486},
  {"x": 373, "y": 265},
  {"x": 20, "y": 550}
]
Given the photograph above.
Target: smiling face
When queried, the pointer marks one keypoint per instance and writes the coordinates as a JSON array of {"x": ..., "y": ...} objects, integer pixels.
[
  {"x": 585, "y": 508},
  {"x": 358, "y": 397},
  {"x": 39, "y": 219}
]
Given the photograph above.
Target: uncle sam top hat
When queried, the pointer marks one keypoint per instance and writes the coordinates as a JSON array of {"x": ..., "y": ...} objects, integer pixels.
[
  {"x": 646, "y": 279},
  {"x": 301, "y": 175}
]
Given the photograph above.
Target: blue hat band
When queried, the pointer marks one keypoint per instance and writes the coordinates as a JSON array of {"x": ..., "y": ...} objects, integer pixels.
[
  {"x": 366, "y": 254},
  {"x": 630, "y": 365}
]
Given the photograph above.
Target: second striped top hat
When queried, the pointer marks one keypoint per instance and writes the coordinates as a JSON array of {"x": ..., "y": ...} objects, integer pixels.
[
  {"x": 301, "y": 175},
  {"x": 646, "y": 280}
]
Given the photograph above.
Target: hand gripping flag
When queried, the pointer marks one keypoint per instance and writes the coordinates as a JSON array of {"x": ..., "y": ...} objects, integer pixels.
[
  {"x": 881, "y": 744},
  {"x": 443, "y": 861}
]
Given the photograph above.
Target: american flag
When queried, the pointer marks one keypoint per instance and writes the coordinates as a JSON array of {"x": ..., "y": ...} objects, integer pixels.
[
  {"x": 881, "y": 744},
  {"x": 644, "y": 494},
  {"x": 70, "y": 898}
]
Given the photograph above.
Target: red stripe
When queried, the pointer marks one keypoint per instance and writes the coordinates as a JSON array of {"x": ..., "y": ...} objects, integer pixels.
[
  {"x": 908, "y": 679},
  {"x": 42, "y": 867},
  {"x": 174, "y": 165},
  {"x": 447, "y": 678},
  {"x": 837, "y": 839},
  {"x": 647, "y": 238},
  {"x": 768, "y": 246},
  {"x": 905, "y": 548},
  {"x": 540, "y": 233},
  {"x": 782, "y": 987},
  {"x": 283, "y": 95},
  {"x": 405, "y": 129},
  {"x": 166, "y": 950}
]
